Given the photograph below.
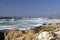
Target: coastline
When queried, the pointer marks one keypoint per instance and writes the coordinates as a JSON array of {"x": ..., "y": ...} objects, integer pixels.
[{"x": 32, "y": 33}]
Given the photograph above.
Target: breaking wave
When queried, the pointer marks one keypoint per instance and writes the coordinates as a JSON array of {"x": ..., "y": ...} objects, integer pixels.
[{"x": 25, "y": 23}]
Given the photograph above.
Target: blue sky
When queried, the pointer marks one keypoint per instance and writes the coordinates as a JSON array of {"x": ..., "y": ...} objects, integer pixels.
[{"x": 37, "y": 8}]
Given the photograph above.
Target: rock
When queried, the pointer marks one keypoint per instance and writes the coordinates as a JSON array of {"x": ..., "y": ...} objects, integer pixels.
[
  {"x": 13, "y": 34},
  {"x": 1, "y": 36},
  {"x": 46, "y": 36},
  {"x": 49, "y": 32},
  {"x": 57, "y": 32}
]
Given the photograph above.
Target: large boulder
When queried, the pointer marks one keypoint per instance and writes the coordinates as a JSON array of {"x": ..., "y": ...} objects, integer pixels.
[
  {"x": 46, "y": 36},
  {"x": 13, "y": 34},
  {"x": 16, "y": 34}
]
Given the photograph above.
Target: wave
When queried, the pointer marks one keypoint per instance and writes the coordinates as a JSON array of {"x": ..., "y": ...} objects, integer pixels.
[{"x": 25, "y": 23}]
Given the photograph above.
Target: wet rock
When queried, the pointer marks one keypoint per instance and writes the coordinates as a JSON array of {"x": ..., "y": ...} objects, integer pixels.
[{"x": 1, "y": 36}]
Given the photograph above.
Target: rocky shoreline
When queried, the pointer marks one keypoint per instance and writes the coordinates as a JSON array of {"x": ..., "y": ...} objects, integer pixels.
[{"x": 48, "y": 32}]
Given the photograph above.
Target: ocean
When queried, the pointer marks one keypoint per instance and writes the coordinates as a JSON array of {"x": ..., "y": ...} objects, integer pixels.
[{"x": 25, "y": 23}]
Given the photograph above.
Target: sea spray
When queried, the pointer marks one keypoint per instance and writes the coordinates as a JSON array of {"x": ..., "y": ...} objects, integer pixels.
[{"x": 25, "y": 23}]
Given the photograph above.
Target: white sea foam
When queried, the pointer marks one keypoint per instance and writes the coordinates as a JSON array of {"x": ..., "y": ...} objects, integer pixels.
[{"x": 25, "y": 23}]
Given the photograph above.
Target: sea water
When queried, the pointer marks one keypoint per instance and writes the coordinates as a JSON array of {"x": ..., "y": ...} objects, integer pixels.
[{"x": 25, "y": 23}]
